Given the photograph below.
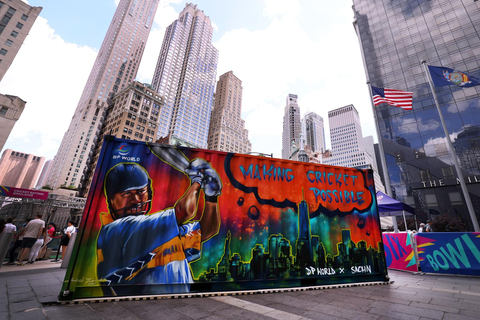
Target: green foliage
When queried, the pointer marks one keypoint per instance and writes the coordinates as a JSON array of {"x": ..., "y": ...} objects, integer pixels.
[{"x": 448, "y": 223}]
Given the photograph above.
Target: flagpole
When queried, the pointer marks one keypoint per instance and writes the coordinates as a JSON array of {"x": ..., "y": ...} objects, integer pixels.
[
  {"x": 386, "y": 176},
  {"x": 451, "y": 150}
]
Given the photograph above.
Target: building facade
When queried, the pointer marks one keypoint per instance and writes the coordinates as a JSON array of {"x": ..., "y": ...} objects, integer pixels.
[
  {"x": 185, "y": 75},
  {"x": 11, "y": 108},
  {"x": 314, "y": 132},
  {"x": 292, "y": 128},
  {"x": 19, "y": 170},
  {"x": 348, "y": 145},
  {"x": 114, "y": 69},
  {"x": 133, "y": 115},
  {"x": 17, "y": 20},
  {"x": 227, "y": 129},
  {"x": 394, "y": 37},
  {"x": 42, "y": 179}
]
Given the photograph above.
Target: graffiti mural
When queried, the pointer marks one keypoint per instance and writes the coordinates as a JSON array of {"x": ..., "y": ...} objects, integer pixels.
[
  {"x": 165, "y": 220},
  {"x": 449, "y": 252},
  {"x": 399, "y": 251}
]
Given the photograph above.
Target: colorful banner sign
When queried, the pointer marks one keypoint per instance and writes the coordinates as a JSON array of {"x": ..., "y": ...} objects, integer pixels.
[
  {"x": 449, "y": 252},
  {"x": 22, "y": 193},
  {"x": 164, "y": 220},
  {"x": 399, "y": 251}
]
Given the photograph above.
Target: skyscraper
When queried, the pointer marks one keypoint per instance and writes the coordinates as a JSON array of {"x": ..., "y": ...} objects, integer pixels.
[
  {"x": 115, "y": 68},
  {"x": 394, "y": 36},
  {"x": 132, "y": 114},
  {"x": 185, "y": 75},
  {"x": 346, "y": 138},
  {"x": 314, "y": 132},
  {"x": 19, "y": 170},
  {"x": 17, "y": 20},
  {"x": 348, "y": 144},
  {"x": 227, "y": 129},
  {"x": 291, "y": 127},
  {"x": 11, "y": 108},
  {"x": 42, "y": 179}
]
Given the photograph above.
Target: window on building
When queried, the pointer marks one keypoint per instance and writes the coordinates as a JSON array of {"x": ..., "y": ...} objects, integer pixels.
[
  {"x": 9, "y": 42},
  {"x": 3, "y": 51},
  {"x": 19, "y": 25},
  {"x": 24, "y": 17},
  {"x": 3, "y": 111}
]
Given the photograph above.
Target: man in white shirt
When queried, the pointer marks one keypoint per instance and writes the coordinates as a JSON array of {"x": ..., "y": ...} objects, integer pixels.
[
  {"x": 422, "y": 227},
  {"x": 9, "y": 227},
  {"x": 33, "y": 231}
]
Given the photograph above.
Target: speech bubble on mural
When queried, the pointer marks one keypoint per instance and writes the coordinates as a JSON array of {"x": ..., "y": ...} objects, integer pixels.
[{"x": 327, "y": 189}]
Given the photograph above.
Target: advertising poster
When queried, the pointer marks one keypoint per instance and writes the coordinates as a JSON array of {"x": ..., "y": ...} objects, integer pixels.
[
  {"x": 22, "y": 193},
  {"x": 399, "y": 251},
  {"x": 449, "y": 252},
  {"x": 166, "y": 220}
]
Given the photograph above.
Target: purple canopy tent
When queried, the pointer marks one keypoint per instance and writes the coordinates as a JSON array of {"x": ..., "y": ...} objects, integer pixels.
[{"x": 388, "y": 206}]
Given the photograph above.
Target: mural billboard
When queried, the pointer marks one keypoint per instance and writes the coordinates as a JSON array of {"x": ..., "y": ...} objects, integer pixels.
[
  {"x": 165, "y": 220},
  {"x": 399, "y": 251},
  {"x": 449, "y": 252}
]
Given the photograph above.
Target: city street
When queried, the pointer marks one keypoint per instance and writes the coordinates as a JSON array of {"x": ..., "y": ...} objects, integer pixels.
[{"x": 29, "y": 292}]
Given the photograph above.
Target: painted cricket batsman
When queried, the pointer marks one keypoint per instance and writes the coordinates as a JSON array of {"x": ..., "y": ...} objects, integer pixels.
[{"x": 138, "y": 247}]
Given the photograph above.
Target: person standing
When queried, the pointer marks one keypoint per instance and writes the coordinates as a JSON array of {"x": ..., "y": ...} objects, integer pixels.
[
  {"x": 36, "y": 247},
  {"x": 9, "y": 227},
  {"x": 33, "y": 231},
  {"x": 422, "y": 228},
  {"x": 50, "y": 234},
  {"x": 66, "y": 237},
  {"x": 17, "y": 243},
  {"x": 428, "y": 227}
]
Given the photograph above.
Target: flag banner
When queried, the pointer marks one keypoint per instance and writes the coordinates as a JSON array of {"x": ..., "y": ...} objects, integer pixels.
[
  {"x": 22, "y": 193},
  {"x": 442, "y": 76},
  {"x": 449, "y": 252},
  {"x": 399, "y": 251},
  {"x": 393, "y": 97}
]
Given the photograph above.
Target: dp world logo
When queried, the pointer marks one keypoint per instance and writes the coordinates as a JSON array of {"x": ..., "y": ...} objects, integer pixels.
[{"x": 123, "y": 150}]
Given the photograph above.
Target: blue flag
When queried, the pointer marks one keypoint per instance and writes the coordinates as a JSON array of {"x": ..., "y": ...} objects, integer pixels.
[{"x": 442, "y": 76}]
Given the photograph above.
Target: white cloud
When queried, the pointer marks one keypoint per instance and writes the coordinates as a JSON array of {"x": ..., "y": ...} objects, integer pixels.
[
  {"x": 326, "y": 72},
  {"x": 282, "y": 8},
  {"x": 45, "y": 58}
]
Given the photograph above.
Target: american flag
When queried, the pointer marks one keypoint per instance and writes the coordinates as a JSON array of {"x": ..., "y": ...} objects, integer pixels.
[{"x": 393, "y": 97}]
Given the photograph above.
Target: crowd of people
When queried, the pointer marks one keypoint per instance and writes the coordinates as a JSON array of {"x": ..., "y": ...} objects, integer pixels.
[{"x": 32, "y": 238}]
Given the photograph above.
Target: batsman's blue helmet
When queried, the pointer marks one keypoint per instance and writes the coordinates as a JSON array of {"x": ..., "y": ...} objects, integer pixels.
[{"x": 125, "y": 177}]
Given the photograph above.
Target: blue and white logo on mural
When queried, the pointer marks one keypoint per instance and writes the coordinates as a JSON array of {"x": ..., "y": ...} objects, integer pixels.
[{"x": 123, "y": 150}]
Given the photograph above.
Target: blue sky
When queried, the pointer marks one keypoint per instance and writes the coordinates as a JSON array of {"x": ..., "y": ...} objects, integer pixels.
[{"x": 276, "y": 47}]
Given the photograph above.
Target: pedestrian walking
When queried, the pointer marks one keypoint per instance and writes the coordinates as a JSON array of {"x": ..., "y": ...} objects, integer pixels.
[
  {"x": 36, "y": 248},
  {"x": 33, "y": 231},
  {"x": 17, "y": 243}
]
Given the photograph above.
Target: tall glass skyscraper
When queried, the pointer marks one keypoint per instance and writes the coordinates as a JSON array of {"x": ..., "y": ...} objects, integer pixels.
[
  {"x": 394, "y": 37},
  {"x": 115, "y": 68},
  {"x": 314, "y": 132},
  {"x": 185, "y": 75},
  {"x": 292, "y": 128}
]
